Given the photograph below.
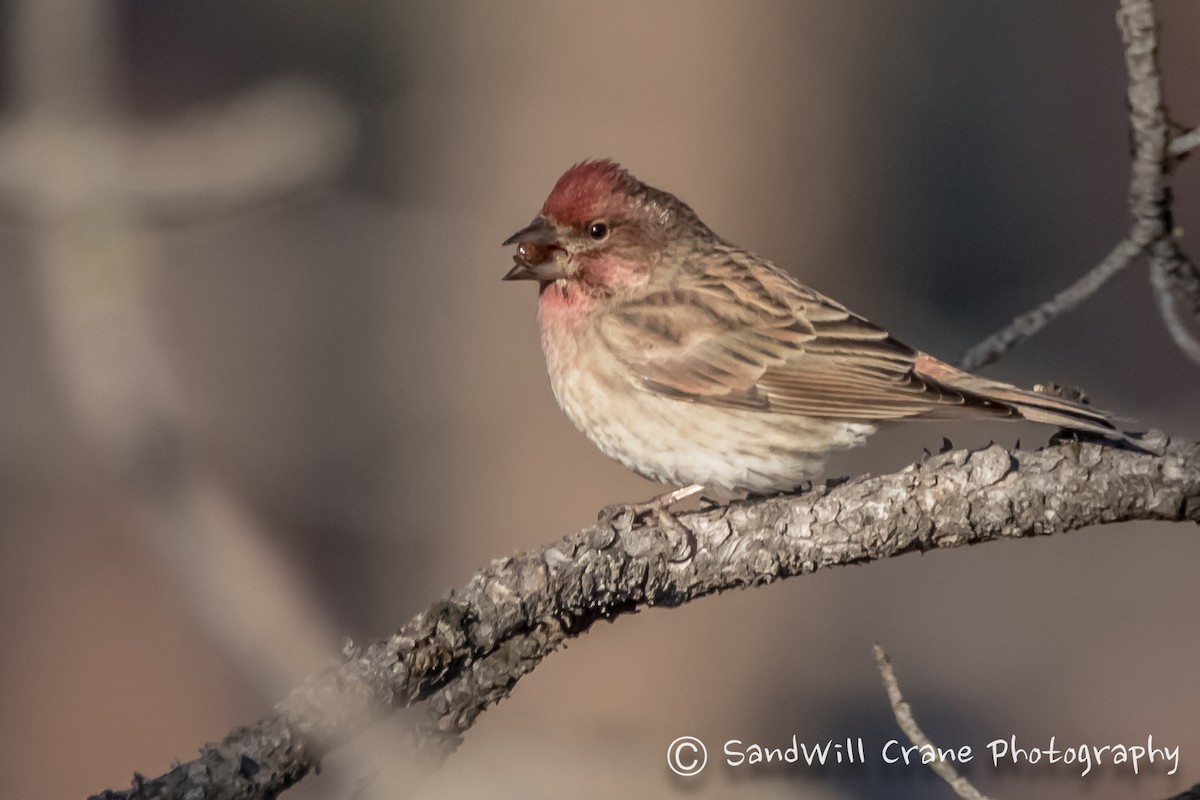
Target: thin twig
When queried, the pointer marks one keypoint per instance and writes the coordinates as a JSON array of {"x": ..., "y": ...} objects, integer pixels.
[
  {"x": 904, "y": 718},
  {"x": 1176, "y": 283},
  {"x": 1029, "y": 323},
  {"x": 1184, "y": 143}
]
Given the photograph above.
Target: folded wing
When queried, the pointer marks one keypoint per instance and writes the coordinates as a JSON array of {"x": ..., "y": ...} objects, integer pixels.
[{"x": 753, "y": 338}]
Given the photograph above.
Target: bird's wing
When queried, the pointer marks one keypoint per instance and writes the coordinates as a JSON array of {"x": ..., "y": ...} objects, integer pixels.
[{"x": 749, "y": 336}]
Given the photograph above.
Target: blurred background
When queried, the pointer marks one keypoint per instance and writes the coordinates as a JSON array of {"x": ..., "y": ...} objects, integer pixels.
[{"x": 261, "y": 387}]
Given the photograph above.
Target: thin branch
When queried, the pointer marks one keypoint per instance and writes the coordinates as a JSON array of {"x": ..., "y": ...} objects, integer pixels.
[
  {"x": 1176, "y": 283},
  {"x": 1028, "y": 324},
  {"x": 1175, "y": 279},
  {"x": 1184, "y": 143},
  {"x": 904, "y": 718},
  {"x": 470, "y": 649}
]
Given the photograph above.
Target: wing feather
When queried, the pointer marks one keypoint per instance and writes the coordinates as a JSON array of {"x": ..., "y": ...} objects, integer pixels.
[{"x": 750, "y": 336}]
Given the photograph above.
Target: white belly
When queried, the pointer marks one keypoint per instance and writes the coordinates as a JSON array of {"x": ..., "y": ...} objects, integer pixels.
[{"x": 680, "y": 442}]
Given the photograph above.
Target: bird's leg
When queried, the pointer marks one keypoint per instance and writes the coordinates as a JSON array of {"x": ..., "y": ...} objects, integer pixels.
[{"x": 659, "y": 507}]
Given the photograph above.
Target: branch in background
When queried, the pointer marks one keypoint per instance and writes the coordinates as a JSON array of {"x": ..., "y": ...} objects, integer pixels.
[
  {"x": 1029, "y": 323},
  {"x": 469, "y": 650},
  {"x": 904, "y": 718},
  {"x": 1184, "y": 143},
  {"x": 943, "y": 769},
  {"x": 1173, "y": 275},
  {"x": 1175, "y": 279},
  {"x": 1176, "y": 283},
  {"x": 82, "y": 176},
  {"x": 268, "y": 142}
]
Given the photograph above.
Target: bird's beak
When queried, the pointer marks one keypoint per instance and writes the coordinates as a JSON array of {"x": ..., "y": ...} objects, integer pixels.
[{"x": 539, "y": 256}]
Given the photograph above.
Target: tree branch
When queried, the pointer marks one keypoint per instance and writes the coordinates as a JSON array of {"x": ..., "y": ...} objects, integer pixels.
[
  {"x": 1175, "y": 279},
  {"x": 471, "y": 648}
]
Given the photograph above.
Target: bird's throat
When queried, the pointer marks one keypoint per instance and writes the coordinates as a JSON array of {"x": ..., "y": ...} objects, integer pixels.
[{"x": 564, "y": 303}]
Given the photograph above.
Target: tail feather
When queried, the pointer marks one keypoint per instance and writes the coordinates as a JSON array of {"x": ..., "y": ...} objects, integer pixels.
[
  {"x": 1055, "y": 411},
  {"x": 1022, "y": 402}
]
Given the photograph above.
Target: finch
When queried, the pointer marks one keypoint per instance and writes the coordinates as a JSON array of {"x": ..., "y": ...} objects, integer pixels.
[{"x": 699, "y": 364}]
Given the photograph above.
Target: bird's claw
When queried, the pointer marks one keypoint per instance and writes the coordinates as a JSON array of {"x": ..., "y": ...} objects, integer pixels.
[{"x": 658, "y": 508}]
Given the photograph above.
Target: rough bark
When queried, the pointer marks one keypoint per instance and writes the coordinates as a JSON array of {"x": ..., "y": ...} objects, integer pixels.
[{"x": 469, "y": 649}]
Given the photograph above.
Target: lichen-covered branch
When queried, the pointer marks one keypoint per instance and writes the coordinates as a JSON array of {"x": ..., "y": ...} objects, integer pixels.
[{"x": 471, "y": 648}]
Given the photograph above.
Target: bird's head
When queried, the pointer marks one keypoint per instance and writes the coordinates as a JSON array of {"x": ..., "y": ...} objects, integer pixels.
[{"x": 600, "y": 228}]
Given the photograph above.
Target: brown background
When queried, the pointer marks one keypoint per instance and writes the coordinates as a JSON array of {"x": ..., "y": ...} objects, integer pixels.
[{"x": 372, "y": 400}]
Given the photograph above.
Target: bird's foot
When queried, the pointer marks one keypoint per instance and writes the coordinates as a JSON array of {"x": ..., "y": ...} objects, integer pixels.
[{"x": 658, "y": 508}]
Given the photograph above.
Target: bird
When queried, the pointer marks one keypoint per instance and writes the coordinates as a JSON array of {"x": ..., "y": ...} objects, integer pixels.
[{"x": 698, "y": 364}]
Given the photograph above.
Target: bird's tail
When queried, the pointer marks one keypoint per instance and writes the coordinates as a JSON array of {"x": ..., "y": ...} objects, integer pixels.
[
  {"x": 1056, "y": 411},
  {"x": 1027, "y": 404}
]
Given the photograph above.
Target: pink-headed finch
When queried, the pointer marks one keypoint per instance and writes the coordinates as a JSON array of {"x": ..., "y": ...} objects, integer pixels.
[{"x": 699, "y": 364}]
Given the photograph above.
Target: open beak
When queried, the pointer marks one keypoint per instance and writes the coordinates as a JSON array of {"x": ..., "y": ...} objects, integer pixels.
[{"x": 538, "y": 256}]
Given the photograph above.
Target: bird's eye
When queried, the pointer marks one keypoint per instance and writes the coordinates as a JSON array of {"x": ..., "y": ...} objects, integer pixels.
[{"x": 598, "y": 231}]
